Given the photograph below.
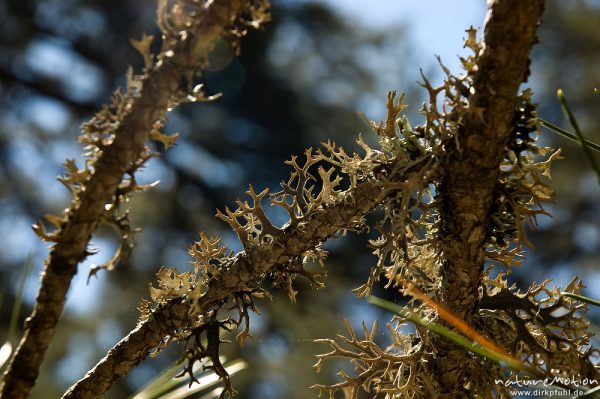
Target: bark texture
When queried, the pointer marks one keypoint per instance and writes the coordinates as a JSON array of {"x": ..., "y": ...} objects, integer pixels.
[
  {"x": 160, "y": 85},
  {"x": 471, "y": 172}
]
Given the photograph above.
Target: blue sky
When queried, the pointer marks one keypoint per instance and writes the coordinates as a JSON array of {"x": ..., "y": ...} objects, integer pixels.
[{"x": 435, "y": 26}]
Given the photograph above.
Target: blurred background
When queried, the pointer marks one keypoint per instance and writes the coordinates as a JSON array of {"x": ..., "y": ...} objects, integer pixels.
[{"x": 297, "y": 83}]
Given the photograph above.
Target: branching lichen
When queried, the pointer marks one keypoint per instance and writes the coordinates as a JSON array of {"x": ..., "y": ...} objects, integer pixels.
[
  {"x": 397, "y": 371},
  {"x": 327, "y": 194},
  {"x": 546, "y": 330},
  {"x": 406, "y": 170}
]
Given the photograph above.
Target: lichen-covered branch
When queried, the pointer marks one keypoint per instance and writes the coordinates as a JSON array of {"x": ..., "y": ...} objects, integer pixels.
[
  {"x": 472, "y": 168},
  {"x": 348, "y": 188},
  {"x": 453, "y": 192},
  {"x": 490, "y": 183},
  {"x": 116, "y": 141}
]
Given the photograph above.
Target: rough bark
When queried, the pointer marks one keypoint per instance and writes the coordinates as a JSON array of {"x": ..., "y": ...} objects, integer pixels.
[
  {"x": 160, "y": 85},
  {"x": 471, "y": 172}
]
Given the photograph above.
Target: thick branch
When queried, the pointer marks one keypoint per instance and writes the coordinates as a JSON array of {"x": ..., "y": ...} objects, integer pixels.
[
  {"x": 471, "y": 172},
  {"x": 247, "y": 268},
  {"x": 160, "y": 85}
]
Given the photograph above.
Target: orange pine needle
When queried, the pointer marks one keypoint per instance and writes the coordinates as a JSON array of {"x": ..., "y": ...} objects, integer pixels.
[{"x": 447, "y": 315}]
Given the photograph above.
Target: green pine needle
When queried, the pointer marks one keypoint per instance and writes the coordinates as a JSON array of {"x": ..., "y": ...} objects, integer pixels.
[
  {"x": 16, "y": 310},
  {"x": 447, "y": 333},
  {"x": 590, "y": 393},
  {"x": 567, "y": 134},
  {"x": 586, "y": 148},
  {"x": 581, "y": 298}
]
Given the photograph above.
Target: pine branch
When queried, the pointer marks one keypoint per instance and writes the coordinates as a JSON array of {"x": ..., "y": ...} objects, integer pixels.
[
  {"x": 118, "y": 139},
  {"x": 472, "y": 169},
  {"x": 241, "y": 276},
  {"x": 471, "y": 173}
]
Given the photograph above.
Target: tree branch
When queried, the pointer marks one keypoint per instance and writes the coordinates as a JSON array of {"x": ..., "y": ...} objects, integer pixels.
[
  {"x": 188, "y": 40},
  {"x": 244, "y": 273},
  {"x": 471, "y": 172}
]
